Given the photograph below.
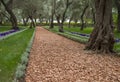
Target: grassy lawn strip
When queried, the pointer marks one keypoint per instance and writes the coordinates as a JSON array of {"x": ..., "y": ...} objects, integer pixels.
[
  {"x": 9, "y": 35},
  {"x": 69, "y": 35},
  {"x": 11, "y": 50},
  {"x": 7, "y": 28},
  {"x": 21, "y": 69},
  {"x": 87, "y": 30},
  {"x": 4, "y": 28},
  {"x": 80, "y": 38}
]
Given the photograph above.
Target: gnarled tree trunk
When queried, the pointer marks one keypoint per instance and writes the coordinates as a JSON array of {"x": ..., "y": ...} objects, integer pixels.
[
  {"x": 117, "y": 2},
  {"x": 32, "y": 24},
  {"x": 102, "y": 37},
  {"x": 52, "y": 16},
  {"x": 69, "y": 24},
  {"x": 82, "y": 17},
  {"x": 51, "y": 21},
  {"x": 60, "y": 24},
  {"x": 93, "y": 13},
  {"x": 8, "y": 8},
  {"x": 25, "y": 21}
]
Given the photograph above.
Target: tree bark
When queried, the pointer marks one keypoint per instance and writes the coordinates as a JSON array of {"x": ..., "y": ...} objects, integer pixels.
[
  {"x": 102, "y": 37},
  {"x": 69, "y": 25},
  {"x": 82, "y": 17},
  {"x": 63, "y": 16},
  {"x": 32, "y": 24},
  {"x": 117, "y": 2},
  {"x": 52, "y": 16},
  {"x": 1, "y": 19},
  {"x": 8, "y": 8},
  {"x": 59, "y": 23},
  {"x": 93, "y": 13},
  {"x": 25, "y": 21},
  {"x": 51, "y": 21}
]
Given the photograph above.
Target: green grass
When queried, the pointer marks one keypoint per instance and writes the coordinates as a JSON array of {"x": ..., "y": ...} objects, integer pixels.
[
  {"x": 11, "y": 50},
  {"x": 87, "y": 30},
  {"x": 69, "y": 35},
  {"x": 116, "y": 34},
  {"x": 4, "y": 28},
  {"x": 117, "y": 47}
]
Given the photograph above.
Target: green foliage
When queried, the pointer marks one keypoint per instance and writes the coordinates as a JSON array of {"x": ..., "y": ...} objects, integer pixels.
[
  {"x": 115, "y": 18},
  {"x": 117, "y": 47},
  {"x": 20, "y": 71},
  {"x": 117, "y": 34},
  {"x": 11, "y": 50}
]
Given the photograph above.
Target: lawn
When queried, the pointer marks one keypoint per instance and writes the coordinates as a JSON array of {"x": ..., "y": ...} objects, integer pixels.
[
  {"x": 11, "y": 50},
  {"x": 87, "y": 30},
  {"x": 4, "y": 28}
]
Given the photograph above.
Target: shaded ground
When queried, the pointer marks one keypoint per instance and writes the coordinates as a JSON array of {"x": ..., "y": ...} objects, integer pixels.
[{"x": 56, "y": 59}]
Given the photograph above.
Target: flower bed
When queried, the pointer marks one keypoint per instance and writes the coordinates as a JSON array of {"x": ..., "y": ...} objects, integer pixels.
[
  {"x": 7, "y": 33},
  {"x": 88, "y": 35}
]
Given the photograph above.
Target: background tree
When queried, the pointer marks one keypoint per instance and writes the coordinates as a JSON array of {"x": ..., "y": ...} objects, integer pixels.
[
  {"x": 60, "y": 12},
  {"x": 85, "y": 7},
  {"x": 117, "y": 2},
  {"x": 52, "y": 13},
  {"x": 8, "y": 7}
]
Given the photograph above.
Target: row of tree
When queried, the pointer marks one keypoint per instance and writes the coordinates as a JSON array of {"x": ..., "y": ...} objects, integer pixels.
[
  {"x": 99, "y": 11},
  {"x": 50, "y": 10}
]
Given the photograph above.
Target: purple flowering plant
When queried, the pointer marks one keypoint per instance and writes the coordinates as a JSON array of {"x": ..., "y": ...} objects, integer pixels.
[
  {"x": 7, "y": 33},
  {"x": 88, "y": 35}
]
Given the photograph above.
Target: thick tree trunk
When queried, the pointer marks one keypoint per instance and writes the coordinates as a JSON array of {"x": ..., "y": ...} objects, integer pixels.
[
  {"x": 25, "y": 21},
  {"x": 8, "y": 8},
  {"x": 93, "y": 13},
  {"x": 0, "y": 15},
  {"x": 102, "y": 37},
  {"x": 117, "y": 2},
  {"x": 1, "y": 21},
  {"x": 82, "y": 17},
  {"x": 69, "y": 25},
  {"x": 47, "y": 21},
  {"x": 60, "y": 24},
  {"x": 32, "y": 24},
  {"x": 51, "y": 21},
  {"x": 1, "y": 18},
  {"x": 53, "y": 12},
  {"x": 63, "y": 16},
  {"x": 118, "y": 25},
  {"x": 61, "y": 27},
  {"x": 35, "y": 20}
]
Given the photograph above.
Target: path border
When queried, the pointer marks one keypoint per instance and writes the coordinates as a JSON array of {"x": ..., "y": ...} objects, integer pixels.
[{"x": 21, "y": 68}]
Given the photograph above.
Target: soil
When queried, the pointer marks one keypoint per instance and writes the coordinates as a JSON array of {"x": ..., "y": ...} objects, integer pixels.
[{"x": 54, "y": 58}]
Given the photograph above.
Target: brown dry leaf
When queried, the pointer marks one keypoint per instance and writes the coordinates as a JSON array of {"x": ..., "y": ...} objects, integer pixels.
[{"x": 54, "y": 58}]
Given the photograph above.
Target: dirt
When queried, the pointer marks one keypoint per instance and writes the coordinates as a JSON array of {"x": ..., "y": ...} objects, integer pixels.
[{"x": 54, "y": 58}]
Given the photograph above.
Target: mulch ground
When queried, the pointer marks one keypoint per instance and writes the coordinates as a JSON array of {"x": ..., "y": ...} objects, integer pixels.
[{"x": 54, "y": 58}]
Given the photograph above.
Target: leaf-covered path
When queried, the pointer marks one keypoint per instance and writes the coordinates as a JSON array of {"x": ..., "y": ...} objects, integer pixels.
[{"x": 54, "y": 58}]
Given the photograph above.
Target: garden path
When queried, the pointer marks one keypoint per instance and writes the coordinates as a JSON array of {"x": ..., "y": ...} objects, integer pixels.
[{"x": 54, "y": 58}]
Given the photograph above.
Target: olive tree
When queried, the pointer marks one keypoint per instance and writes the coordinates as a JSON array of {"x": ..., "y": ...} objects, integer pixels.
[{"x": 102, "y": 37}]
